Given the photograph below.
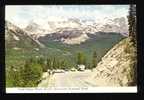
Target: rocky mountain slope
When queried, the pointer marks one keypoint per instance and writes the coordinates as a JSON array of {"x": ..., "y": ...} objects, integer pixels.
[
  {"x": 17, "y": 38},
  {"x": 74, "y": 31},
  {"x": 117, "y": 67},
  {"x": 20, "y": 42}
]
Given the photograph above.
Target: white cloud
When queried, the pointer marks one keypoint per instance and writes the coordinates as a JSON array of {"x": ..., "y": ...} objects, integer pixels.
[{"x": 21, "y": 15}]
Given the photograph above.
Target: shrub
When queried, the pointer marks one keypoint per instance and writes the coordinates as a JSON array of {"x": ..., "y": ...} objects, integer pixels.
[{"x": 13, "y": 77}]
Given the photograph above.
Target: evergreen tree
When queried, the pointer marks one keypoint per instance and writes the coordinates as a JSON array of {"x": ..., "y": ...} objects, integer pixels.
[
  {"x": 41, "y": 62},
  {"x": 48, "y": 65},
  {"x": 58, "y": 64},
  {"x": 14, "y": 76},
  {"x": 80, "y": 58},
  {"x": 133, "y": 37},
  {"x": 31, "y": 74},
  {"x": 94, "y": 60},
  {"x": 54, "y": 63},
  {"x": 132, "y": 23}
]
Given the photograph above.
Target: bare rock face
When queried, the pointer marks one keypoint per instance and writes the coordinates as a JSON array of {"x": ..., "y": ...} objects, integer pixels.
[{"x": 117, "y": 67}]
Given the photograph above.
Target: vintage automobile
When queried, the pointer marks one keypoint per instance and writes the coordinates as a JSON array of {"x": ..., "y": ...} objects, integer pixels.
[{"x": 81, "y": 67}]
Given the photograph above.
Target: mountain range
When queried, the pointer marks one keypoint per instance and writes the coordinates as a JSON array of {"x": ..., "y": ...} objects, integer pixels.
[
  {"x": 64, "y": 42},
  {"x": 75, "y": 31}
]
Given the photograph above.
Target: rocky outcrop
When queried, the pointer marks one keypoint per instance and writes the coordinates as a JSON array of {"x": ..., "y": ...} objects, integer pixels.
[
  {"x": 117, "y": 67},
  {"x": 16, "y": 36}
]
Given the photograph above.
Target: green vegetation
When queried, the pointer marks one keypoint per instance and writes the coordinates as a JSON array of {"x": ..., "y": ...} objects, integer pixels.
[
  {"x": 31, "y": 74},
  {"x": 26, "y": 75},
  {"x": 132, "y": 44},
  {"x": 50, "y": 58},
  {"x": 94, "y": 61},
  {"x": 81, "y": 58},
  {"x": 132, "y": 24},
  {"x": 25, "y": 60},
  {"x": 69, "y": 52},
  {"x": 56, "y": 63}
]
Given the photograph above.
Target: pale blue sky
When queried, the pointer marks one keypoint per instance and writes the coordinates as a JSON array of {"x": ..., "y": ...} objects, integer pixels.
[{"x": 23, "y": 14}]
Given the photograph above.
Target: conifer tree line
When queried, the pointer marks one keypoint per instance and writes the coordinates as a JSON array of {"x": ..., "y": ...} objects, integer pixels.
[
  {"x": 29, "y": 74},
  {"x": 81, "y": 58},
  {"x": 132, "y": 23},
  {"x": 133, "y": 37}
]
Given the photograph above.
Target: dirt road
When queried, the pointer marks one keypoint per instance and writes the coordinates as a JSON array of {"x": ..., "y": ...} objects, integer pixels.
[{"x": 67, "y": 79}]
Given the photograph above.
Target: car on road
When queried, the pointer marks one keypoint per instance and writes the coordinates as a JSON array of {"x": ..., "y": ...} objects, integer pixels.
[
  {"x": 73, "y": 69},
  {"x": 81, "y": 67},
  {"x": 50, "y": 72}
]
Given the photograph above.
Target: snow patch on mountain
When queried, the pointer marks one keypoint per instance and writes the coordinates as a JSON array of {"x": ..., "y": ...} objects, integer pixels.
[{"x": 16, "y": 37}]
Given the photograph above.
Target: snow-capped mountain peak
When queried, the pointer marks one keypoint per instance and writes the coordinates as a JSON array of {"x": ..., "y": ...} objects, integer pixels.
[{"x": 115, "y": 25}]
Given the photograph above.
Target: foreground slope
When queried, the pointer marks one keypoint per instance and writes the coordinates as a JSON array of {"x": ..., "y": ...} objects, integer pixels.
[{"x": 117, "y": 67}]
